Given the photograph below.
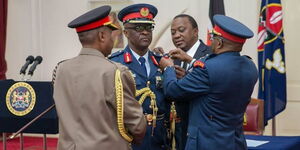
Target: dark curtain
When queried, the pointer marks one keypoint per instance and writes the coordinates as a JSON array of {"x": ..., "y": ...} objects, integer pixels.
[
  {"x": 216, "y": 7},
  {"x": 3, "y": 23}
]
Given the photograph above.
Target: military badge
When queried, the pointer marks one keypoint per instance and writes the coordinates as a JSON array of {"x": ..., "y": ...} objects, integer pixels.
[
  {"x": 158, "y": 82},
  {"x": 154, "y": 60},
  {"x": 199, "y": 63},
  {"x": 127, "y": 58},
  {"x": 20, "y": 99},
  {"x": 144, "y": 12}
]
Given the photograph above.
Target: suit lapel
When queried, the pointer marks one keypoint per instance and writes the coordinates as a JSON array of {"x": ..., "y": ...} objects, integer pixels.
[
  {"x": 202, "y": 50},
  {"x": 177, "y": 62}
]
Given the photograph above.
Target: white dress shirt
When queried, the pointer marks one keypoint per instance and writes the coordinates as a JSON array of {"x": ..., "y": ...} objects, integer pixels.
[
  {"x": 147, "y": 64},
  {"x": 191, "y": 52}
]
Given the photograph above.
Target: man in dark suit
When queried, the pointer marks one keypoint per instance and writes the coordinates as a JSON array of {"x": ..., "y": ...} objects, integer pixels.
[
  {"x": 184, "y": 31},
  {"x": 218, "y": 87}
]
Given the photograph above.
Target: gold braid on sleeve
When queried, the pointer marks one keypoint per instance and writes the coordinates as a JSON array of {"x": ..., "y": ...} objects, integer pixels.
[{"x": 120, "y": 108}]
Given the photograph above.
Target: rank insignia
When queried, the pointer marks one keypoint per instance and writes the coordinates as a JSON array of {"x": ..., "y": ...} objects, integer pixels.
[
  {"x": 154, "y": 60},
  {"x": 158, "y": 82},
  {"x": 144, "y": 12},
  {"x": 20, "y": 98},
  {"x": 127, "y": 58},
  {"x": 199, "y": 63}
]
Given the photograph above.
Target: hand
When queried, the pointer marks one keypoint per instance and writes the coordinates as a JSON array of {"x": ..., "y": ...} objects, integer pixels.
[
  {"x": 158, "y": 50},
  {"x": 180, "y": 72},
  {"x": 180, "y": 55},
  {"x": 165, "y": 62}
]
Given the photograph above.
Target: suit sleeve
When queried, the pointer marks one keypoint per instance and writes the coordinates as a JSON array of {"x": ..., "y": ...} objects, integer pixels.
[
  {"x": 134, "y": 119},
  {"x": 193, "y": 84}
]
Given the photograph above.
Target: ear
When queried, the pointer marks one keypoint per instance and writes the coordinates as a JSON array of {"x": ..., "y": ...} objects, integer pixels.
[
  {"x": 220, "y": 43},
  {"x": 101, "y": 36},
  {"x": 125, "y": 33},
  {"x": 195, "y": 32}
]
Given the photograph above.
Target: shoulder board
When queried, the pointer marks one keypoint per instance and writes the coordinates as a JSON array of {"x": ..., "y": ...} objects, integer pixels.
[
  {"x": 247, "y": 57},
  {"x": 115, "y": 54},
  {"x": 199, "y": 63}
]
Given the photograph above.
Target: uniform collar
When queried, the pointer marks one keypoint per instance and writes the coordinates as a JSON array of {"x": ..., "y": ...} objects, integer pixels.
[
  {"x": 138, "y": 56},
  {"x": 91, "y": 51},
  {"x": 230, "y": 53}
]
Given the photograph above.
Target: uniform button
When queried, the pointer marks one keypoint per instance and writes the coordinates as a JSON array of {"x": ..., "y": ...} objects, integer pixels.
[{"x": 187, "y": 134}]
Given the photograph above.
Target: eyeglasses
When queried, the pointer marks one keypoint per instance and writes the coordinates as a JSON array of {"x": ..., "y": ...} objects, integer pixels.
[
  {"x": 141, "y": 28},
  {"x": 213, "y": 36}
]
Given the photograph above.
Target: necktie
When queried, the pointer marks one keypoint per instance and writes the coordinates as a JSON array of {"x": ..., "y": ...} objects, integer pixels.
[
  {"x": 142, "y": 60},
  {"x": 184, "y": 66}
]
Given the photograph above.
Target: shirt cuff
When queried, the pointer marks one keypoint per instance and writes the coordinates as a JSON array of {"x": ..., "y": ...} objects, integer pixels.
[{"x": 191, "y": 63}]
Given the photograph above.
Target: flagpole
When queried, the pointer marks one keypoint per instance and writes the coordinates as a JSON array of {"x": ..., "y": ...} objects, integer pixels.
[
  {"x": 267, "y": 28},
  {"x": 274, "y": 126}
]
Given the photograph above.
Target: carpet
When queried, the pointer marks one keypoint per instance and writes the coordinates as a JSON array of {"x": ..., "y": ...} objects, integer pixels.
[{"x": 30, "y": 143}]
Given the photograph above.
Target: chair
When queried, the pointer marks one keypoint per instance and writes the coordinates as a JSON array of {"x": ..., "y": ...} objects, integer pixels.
[{"x": 254, "y": 118}]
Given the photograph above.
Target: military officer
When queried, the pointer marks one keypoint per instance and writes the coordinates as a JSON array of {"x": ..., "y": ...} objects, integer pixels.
[
  {"x": 218, "y": 88},
  {"x": 138, "y": 25},
  {"x": 95, "y": 97}
]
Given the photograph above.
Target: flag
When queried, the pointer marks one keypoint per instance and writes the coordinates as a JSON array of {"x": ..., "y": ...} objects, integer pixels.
[
  {"x": 271, "y": 59},
  {"x": 215, "y": 7}
]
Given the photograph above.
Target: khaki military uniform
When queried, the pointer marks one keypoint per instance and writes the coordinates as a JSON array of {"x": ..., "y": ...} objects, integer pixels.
[{"x": 84, "y": 94}]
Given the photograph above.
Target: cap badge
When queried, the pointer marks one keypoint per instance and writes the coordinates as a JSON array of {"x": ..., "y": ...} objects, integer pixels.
[{"x": 144, "y": 12}]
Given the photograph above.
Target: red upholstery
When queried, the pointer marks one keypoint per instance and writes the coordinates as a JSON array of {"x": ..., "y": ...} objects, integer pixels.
[{"x": 253, "y": 119}]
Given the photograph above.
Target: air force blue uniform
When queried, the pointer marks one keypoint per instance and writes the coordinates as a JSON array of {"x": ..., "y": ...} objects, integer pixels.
[
  {"x": 219, "y": 88},
  {"x": 159, "y": 139},
  {"x": 156, "y": 137},
  {"x": 183, "y": 107}
]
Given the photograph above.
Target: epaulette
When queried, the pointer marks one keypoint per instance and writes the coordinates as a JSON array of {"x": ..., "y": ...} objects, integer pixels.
[
  {"x": 115, "y": 54},
  {"x": 248, "y": 57}
]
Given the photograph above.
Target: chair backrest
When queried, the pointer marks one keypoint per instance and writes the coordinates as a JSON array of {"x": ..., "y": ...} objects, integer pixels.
[{"x": 254, "y": 117}]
